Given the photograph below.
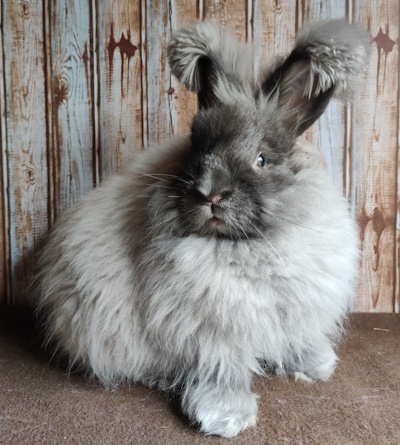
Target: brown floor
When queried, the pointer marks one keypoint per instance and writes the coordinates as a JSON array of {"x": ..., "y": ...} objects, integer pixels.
[{"x": 40, "y": 404}]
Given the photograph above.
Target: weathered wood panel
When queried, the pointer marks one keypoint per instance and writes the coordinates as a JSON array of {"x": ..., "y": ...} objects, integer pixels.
[
  {"x": 229, "y": 14},
  {"x": 329, "y": 133},
  {"x": 397, "y": 246},
  {"x": 274, "y": 30},
  {"x": 375, "y": 142},
  {"x": 4, "y": 245},
  {"x": 93, "y": 76},
  {"x": 26, "y": 133},
  {"x": 72, "y": 107},
  {"x": 120, "y": 88},
  {"x": 170, "y": 105}
]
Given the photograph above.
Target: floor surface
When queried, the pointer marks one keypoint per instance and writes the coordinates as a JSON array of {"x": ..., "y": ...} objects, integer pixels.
[{"x": 41, "y": 404}]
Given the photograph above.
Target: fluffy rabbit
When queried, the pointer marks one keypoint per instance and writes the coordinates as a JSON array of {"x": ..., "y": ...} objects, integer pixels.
[{"x": 220, "y": 253}]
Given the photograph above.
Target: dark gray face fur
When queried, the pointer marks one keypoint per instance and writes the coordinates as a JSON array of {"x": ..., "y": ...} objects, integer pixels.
[{"x": 224, "y": 190}]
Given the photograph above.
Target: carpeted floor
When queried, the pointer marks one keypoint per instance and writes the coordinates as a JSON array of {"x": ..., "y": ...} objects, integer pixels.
[{"x": 40, "y": 404}]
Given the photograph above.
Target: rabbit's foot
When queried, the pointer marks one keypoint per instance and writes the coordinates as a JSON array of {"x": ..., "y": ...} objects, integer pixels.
[
  {"x": 227, "y": 419},
  {"x": 325, "y": 369},
  {"x": 319, "y": 367},
  {"x": 224, "y": 413},
  {"x": 300, "y": 376}
]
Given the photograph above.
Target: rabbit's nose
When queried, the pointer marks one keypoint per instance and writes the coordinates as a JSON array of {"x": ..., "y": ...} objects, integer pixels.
[
  {"x": 213, "y": 197},
  {"x": 217, "y": 197}
]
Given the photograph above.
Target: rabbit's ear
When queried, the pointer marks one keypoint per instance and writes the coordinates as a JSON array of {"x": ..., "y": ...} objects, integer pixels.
[
  {"x": 328, "y": 61},
  {"x": 212, "y": 63}
]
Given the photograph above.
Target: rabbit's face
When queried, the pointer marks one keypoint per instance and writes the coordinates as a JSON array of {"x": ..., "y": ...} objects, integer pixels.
[{"x": 236, "y": 169}]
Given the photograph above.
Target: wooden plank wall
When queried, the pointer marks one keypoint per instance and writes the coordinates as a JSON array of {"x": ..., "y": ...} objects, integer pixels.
[{"x": 84, "y": 83}]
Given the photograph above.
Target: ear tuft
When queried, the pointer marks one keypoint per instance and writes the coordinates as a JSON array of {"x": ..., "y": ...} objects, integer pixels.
[
  {"x": 338, "y": 53},
  {"x": 205, "y": 40}
]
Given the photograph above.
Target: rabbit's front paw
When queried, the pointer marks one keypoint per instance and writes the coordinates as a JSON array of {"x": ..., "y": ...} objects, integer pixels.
[
  {"x": 221, "y": 411},
  {"x": 228, "y": 420}
]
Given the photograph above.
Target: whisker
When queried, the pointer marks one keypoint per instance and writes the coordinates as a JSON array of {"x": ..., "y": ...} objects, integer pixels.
[
  {"x": 292, "y": 222},
  {"x": 244, "y": 233},
  {"x": 161, "y": 175},
  {"x": 277, "y": 253},
  {"x": 147, "y": 175}
]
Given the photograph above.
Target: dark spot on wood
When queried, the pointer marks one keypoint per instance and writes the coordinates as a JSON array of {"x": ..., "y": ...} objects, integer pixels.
[
  {"x": 126, "y": 48},
  {"x": 378, "y": 222},
  {"x": 384, "y": 45},
  {"x": 24, "y": 10},
  {"x": 171, "y": 91},
  {"x": 86, "y": 61},
  {"x": 60, "y": 89},
  {"x": 60, "y": 95},
  {"x": 383, "y": 41},
  {"x": 362, "y": 223}
]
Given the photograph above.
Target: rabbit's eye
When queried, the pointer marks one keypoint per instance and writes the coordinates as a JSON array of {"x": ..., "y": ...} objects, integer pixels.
[{"x": 260, "y": 161}]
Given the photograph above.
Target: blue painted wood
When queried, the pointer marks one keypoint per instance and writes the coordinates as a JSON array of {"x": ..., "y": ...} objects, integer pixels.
[
  {"x": 170, "y": 106},
  {"x": 274, "y": 30},
  {"x": 26, "y": 134},
  {"x": 99, "y": 107},
  {"x": 375, "y": 145},
  {"x": 329, "y": 133},
  {"x": 120, "y": 82},
  {"x": 72, "y": 94},
  {"x": 5, "y": 293}
]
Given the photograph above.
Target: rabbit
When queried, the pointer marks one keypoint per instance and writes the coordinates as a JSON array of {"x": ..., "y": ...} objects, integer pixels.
[{"x": 221, "y": 254}]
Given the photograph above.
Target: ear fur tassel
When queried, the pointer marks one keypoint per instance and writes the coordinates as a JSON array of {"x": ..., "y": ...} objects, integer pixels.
[
  {"x": 205, "y": 39},
  {"x": 338, "y": 52}
]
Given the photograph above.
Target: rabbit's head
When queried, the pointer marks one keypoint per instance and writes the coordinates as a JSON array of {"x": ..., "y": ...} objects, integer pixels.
[{"x": 243, "y": 134}]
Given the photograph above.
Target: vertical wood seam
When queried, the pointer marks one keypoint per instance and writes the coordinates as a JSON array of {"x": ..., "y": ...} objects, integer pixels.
[
  {"x": 200, "y": 9},
  {"x": 4, "y": 168},
  {"x": 396, "y": 253},
  {"x": 143, "y": 70},
  {"x": 201, "y": 16},
  {"x": 95, "y": 88},
  {"x": 170, "y": 108},
  {"x": 250, "y": 21},
  {"x": 51, "y": 210},
  {"x": 299, "y": 14},
  {"x": 348, "y": 133}
]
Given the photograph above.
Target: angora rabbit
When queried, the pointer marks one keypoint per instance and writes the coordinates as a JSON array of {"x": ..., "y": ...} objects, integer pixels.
[{"x": 218, "y": 254}]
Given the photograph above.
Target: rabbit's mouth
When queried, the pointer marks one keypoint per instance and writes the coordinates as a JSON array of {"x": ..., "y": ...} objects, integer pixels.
[
  {"x": 217, "y": 224},
  {"x": 216, "y": 221}
]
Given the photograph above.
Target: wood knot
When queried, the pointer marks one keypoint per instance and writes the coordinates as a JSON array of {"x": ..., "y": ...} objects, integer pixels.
[
  {"x": 171, "y": 91},
  {"x": 24, "y": 10},
  {"x": 278, "y": 6},
  {"x": 29, "y": 174},
  {"x": 61, "y": 89}
]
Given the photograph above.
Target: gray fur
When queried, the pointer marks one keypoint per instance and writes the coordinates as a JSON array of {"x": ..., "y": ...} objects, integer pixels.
[
  {"x": 197, "y": 264},
  {"x": 338, "y": 52},
  {"x": 205, "y": 39}
]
